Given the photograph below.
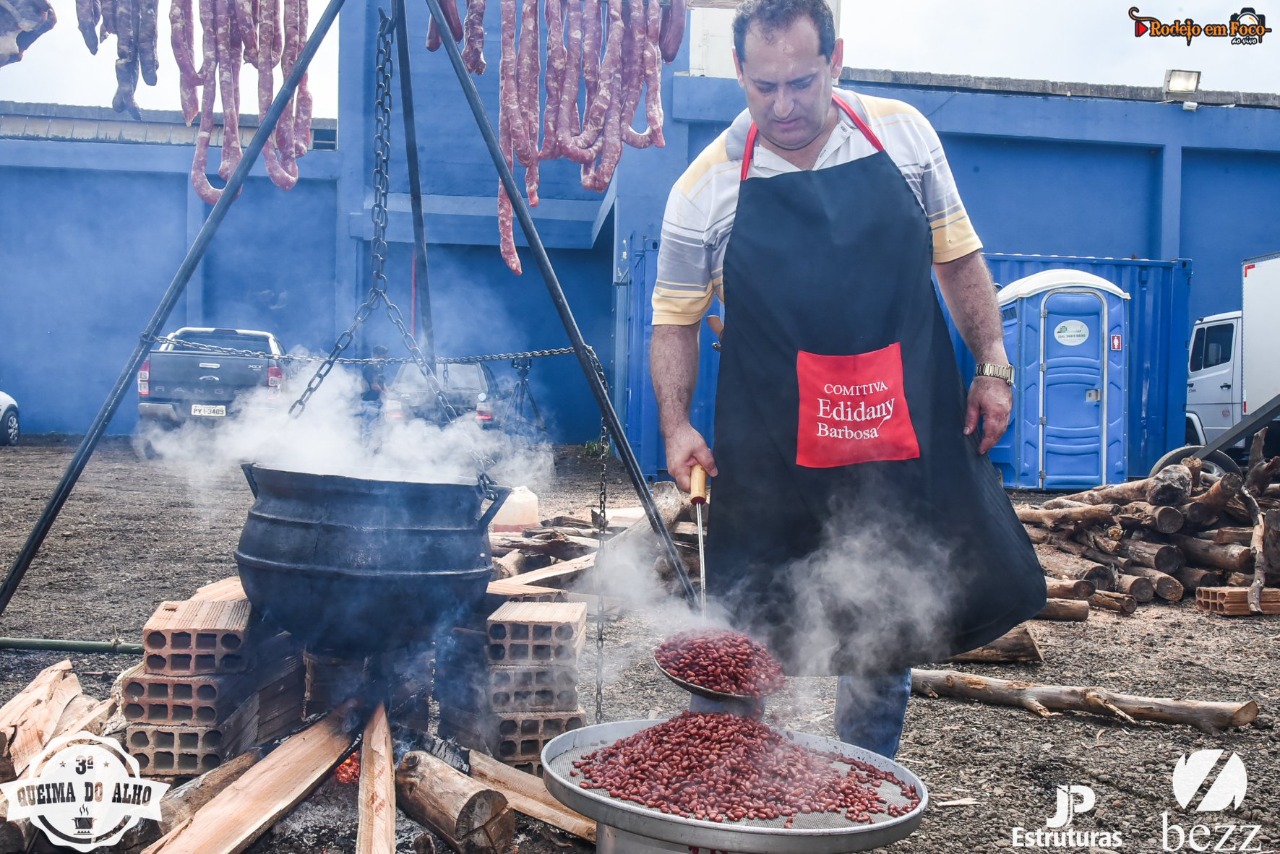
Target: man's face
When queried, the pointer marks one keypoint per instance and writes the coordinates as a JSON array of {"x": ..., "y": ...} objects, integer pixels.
[{"x": 788, "y": 82}]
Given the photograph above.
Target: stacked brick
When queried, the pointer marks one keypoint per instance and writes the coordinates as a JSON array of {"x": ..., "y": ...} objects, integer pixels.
[
  {"x": 205, "y": 690},
  {"x": 532, "y": 697}
]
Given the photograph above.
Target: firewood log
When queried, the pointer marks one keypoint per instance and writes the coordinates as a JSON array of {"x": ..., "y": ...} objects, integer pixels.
[
  {"x": 1202, "y": 509},
  {"x": 1239, "y": 579},
  {"x": 1057, "y": 519},
  {"x": 1045, "y": 700},
  {"x": 1062, "y": 504},
  {"x": 1108, "y": 541},
  {"x": 1121, "y": 603},
  {"x": 1072, "y": 568},
  {"x": 1231, "y": 558},
  {"x": 469, "y": 816},
  {"x": 1195, "y": 466},
  {"x": 1140, "y": 514},
  {"x": 1193, "y": 578},
  {"x": 1141, "y": 589},
  {"x": 1166, "y": 586},
  {"x": 1014, "y": 646},
  {"x": 1161, "y": 556},
  {"x": 1072, "y": 610},
  {"x": 1227, "y": 535},
  {"x": 1169, "y": 486},
  {"x": 1063, "y": 588},
  {"x": 528, "y": 795}
]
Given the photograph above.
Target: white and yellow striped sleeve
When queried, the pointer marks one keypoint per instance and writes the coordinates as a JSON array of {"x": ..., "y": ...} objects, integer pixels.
[
  {"x": 914, "y": 145},
  {"x": 689, "y": 265}
]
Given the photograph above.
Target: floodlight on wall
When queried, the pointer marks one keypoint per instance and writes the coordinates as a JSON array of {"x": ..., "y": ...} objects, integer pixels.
[{"x": 1179, "y": 84}]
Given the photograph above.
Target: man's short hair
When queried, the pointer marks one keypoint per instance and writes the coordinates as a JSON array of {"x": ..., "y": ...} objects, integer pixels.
[
  {"x": 379, "y": 350},
  {"x": 773, "y": 15}
]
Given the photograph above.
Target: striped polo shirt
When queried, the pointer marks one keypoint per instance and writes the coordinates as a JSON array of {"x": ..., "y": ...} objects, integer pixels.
[{"x": 701, "y": 208}]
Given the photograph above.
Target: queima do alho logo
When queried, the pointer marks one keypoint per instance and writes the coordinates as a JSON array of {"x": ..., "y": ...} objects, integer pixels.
[{"x": 83, "y": 792}]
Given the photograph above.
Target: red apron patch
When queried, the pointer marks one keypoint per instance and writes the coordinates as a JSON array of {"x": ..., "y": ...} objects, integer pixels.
[{"x": 853, "y": 409}]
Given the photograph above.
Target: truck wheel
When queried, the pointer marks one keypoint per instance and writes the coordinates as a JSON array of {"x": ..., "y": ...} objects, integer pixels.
[
  {"x": 9, "y": 429},
  {"x": 1216, "y": 463}
]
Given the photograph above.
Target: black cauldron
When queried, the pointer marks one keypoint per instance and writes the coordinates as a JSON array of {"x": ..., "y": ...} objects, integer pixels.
[{"x": 353, "y": 566}]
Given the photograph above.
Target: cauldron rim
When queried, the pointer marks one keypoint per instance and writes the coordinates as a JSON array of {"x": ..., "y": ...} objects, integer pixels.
[
  {"x": 257, "y": 563},
  {"x": 372, "y": 475}
]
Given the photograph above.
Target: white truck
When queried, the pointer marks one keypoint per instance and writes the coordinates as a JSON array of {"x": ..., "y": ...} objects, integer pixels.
[{"x": 1233, "y": 375}]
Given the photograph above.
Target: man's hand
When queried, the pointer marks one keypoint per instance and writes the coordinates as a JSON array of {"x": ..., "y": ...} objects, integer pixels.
[
  {"x": 685, "y": 447},
  {"x": 990, "y": 400}
]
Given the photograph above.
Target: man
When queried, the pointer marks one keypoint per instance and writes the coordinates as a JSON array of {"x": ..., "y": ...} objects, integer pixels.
[
  {"x": 374, "y": 378},
  {"x": 817, "y": 217}
]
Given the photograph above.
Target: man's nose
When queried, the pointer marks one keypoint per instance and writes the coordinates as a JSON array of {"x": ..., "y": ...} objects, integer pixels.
[{"x": 782, "y": 104}]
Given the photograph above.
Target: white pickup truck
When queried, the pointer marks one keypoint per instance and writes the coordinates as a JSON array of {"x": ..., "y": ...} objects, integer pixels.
[{"x": 1233, "y": 376}]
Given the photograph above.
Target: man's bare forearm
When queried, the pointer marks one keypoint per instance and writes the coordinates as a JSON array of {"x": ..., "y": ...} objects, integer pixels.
[
  {"x": 971, "y": 298},
  {"x": 673, "y": 364}
]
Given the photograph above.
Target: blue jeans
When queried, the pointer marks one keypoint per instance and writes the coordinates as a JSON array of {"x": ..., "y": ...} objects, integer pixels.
[{"x": 870, "y": 710}]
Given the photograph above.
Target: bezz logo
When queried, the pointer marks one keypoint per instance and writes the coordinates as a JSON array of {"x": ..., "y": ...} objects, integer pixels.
[{"x": 1208, "y": 781}]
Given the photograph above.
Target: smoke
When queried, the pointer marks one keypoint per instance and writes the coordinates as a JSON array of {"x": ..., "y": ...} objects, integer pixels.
[{"x": 337, "y": 433}]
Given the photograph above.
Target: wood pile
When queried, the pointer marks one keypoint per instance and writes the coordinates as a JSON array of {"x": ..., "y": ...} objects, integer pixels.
[{"x": 1166, "y": 537}]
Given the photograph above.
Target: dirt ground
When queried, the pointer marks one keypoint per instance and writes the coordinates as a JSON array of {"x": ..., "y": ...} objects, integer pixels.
[{"x": 136, "y": 532}]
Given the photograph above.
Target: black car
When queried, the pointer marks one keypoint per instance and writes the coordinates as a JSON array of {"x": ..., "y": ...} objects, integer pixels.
[{"x": 469, "y": 388}]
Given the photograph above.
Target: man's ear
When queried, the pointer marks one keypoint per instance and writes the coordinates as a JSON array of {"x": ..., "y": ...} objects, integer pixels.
[
  {"x": 737, "y": 67},
  {"x": 837, "y": 59}
]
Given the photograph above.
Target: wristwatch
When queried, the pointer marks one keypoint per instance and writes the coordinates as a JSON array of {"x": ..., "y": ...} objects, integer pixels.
[{"x": 990, "y": 369}]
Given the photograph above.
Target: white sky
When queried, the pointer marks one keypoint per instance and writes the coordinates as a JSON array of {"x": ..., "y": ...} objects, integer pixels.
[{"x": 1086, "y": 41}]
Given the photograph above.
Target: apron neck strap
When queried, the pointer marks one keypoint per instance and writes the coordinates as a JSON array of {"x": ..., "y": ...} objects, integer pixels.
[{"x": 754, "y": 132}]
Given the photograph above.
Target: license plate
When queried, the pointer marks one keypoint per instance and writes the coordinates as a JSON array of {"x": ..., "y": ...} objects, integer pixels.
[{"x": 208, "y": 411}]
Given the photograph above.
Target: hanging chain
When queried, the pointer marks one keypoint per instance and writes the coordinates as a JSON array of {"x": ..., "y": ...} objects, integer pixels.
[
  {"x": 383, "y": 71},
  {"x": 602, "y": 523},
  {"x": 378, "y": 248}
]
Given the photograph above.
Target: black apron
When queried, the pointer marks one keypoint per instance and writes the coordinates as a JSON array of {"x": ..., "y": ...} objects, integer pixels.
[{"x": 854, "y": 526}]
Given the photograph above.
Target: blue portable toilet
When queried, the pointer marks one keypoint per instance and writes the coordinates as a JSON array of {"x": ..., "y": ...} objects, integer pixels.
[{"x": 1065, "y": 332}]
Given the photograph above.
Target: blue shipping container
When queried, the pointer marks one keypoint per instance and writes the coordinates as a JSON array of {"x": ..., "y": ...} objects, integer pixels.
[
  {"x": 1064, "y": 331},
  {"x": 1156, "y": 353}
]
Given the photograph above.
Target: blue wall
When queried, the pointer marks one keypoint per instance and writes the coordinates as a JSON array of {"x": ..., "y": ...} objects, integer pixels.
[{"x": 93, "y": 231}]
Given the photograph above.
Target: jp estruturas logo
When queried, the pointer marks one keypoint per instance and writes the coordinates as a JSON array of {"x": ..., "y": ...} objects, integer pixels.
[
  {"x": 83, "y": 792},
  {"x": 1244, "y": 27},
  {"x": 1071, "y": 802},
  {"x": 1220, "y": 784}
]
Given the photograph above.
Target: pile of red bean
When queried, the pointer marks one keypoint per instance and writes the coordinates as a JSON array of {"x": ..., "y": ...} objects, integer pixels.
[
  {"x": 719, "y": 767},
  {"x": 721, "y": 660}
]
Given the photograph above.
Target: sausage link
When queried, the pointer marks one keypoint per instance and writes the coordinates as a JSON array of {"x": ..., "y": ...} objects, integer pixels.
[
  {"x": 671, "y": 33},
  {"x": 557, "y": 62},
  {"x": 228, "y": 84},
  {"x": 528, "y": 65},
  {"x": 126, "y": 59},
  {"x": 508, "y": 122},
  {"x": 181, "y": 39},
  {"x": 473, "y": 32},
  {"x": 567, "y": 123},
  {"x": 209, "y": 77},
  {"x": 450, "y": 10},
  {"x": 148, "y": 40},
  {"x": 88, "y": 14}
]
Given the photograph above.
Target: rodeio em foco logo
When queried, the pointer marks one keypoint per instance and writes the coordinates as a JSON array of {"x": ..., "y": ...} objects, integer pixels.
[
  {"x": 1071, "y": 802},
  {"x": 1206, "y": 781},
  {"x": 84, "y": 792}
]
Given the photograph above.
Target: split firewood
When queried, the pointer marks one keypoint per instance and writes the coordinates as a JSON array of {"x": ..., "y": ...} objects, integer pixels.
[
  {"x": 557, "y": 545},
  {"x": 1231, "y": 558},
  {"x": 1058, "y": 519},
  {"x": 377, "y": 830},
  {"x": 528, "y": 795},
  {"x": 1071, "y": 610},
  {"x": 1193, "y": 578},
  {"x": 638, "y": 545},
  {"x": 469, "y": 816},
  {"x": 29, "y": 720},
  {"x": 1239, "y": 579},
  {"x": 1195, "y": 466},
  {"x": 1063, "y": 588},
  {"x": 1015, "y": 646},
  {"x": 181, "y": 802},
  {"x": 1141, "y": 589},
  {"x": 239, "y": 814},
  {"x": 1161, "y": 556},
  {"x": 1169, "y": 486},
  {"x": 1121, "y": 603},
  {"x": 1166, "y": 586},
  {"x": 1140, "y": 514},
  {"x": 1046, "y": 700},
  {"x": 560, "y": 571}
]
